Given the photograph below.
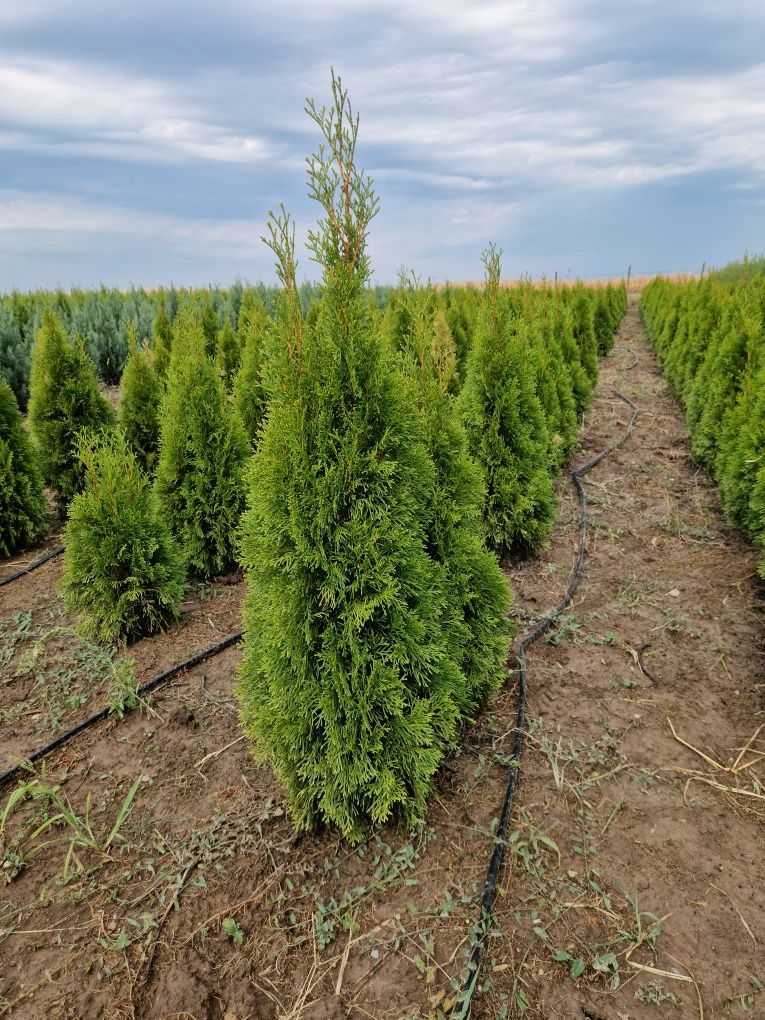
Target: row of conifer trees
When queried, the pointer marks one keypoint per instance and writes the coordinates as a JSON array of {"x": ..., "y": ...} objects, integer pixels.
[
  {"x": 709, "y": 337},
  {"x": 365, "y": 469}
]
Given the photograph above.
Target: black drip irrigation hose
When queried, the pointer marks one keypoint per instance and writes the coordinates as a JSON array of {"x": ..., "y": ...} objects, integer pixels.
[
  {"x": 18, "y": 770},
  {"x": 481, "y": 930},
  {"x": 32, "y": 566}
]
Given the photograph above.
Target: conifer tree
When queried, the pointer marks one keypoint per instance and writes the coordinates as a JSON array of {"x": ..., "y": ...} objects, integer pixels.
[
  {"x": 506, "y": 426},
  {"x": 141, "y": 397},
  {"x": 346, "y": 686},
  {"x": 249, "y": 392},
  {"x": 23, "y": 510},
  {"x": 563, "y": 333},
  {"x": 583, "y": 325},
  {"x": 64, "y": 401},
  {"x": 228, "y": 354},
  {"x": 15, "y": 358},
  {"x": 122, "y": 568},
  {"x": 203, "y": 448},
  {"x": 478, "y": 598},
  {"x": 161, "y": 340}
]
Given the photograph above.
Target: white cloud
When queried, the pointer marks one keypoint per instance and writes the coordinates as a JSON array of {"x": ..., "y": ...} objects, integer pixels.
[{"x": 76, "y": 110}]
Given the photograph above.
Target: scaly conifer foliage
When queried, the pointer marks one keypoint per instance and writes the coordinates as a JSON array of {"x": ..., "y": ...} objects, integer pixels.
[
  {"x": 23, "y": 510},
  {"x": 347, "y": 685},
  {"x": 505, "y": 424},
  {"x": 122, "y": 569},
  {"x": 709, "y": 337},
  {"x": 249, "y": 390},
  {"x": 478, "y": 598},
  {"x": 141, "y": 397},
  {"x": 203, "y": 449},
  {"x": 228, "y": 354},
  {"x": 64, "y": 402}
]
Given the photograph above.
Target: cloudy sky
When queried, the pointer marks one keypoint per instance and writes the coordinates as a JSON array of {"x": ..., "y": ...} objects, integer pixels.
[{"x": 145, "y": 142}]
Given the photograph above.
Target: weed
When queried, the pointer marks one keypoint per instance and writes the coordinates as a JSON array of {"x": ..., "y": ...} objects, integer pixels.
[{"x": 233, "y": 930}]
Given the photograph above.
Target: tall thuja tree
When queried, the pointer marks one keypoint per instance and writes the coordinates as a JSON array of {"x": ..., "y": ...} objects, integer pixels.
[
  {"x": 161, "y": 339},
  {"x": 253, "y": 331},
  {"x": 722, "y": 374},
  {"x": 202, "y": 452},
  {"x": 141, "y": 397},
  {"x": 228, "y": 354},
  {"x": 123, "y": 574},
  {"x": 554, "y": 367},
  {"x": 23, "y": 510},
  {"x": 583, "y": 326},
  {"x": 505, "y": 424},
  {"x": 64, "y": 400},
  {"x": 347, "y": 685},
  {"x": 563, "y": 337},
  {"x": 478, "y": 597}
]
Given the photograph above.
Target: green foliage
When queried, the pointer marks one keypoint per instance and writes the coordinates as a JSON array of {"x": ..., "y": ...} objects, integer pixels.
[
  {"x": 478, "y": 598},
  {"x": 202, "y": 453},
  {"x": 161, "y": 341},
  {"x": 228, "y": 354},
  {"x": 141, "y": 396},
  {"x": 64, "y": 401},
  {"x": 505, "y": 423},
  {"x": 346, "y": 686},
  {"x": 15, "y": 358},
  {"x": 249, "y": 390},
  {"x": 122, "y": 568},
  {"x": 23, "y": 511},
  {"x": 709, "y": 336}
]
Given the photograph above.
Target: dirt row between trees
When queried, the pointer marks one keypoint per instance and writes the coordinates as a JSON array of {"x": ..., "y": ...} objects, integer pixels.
[{"x": 629, "y": 855}]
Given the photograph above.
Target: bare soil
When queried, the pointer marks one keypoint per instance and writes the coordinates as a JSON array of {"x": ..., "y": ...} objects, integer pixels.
[{"x": 632, "y": 886}]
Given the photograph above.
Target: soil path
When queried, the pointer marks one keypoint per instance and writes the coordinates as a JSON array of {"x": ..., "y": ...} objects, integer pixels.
[
  {"x": 666, "y": 630},
  {"x": 627, "y": 847}
]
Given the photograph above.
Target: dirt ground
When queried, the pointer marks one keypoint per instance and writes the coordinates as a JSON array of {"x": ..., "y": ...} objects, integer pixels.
[{"x": 632, "y": 886}]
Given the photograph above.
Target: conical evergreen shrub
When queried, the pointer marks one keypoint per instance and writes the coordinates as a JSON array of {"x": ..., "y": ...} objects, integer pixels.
[
  {"x": 64, "y": 401},
  {"x": 122, "y": 569},
  {"x": 505, "y": 425},
  {"x": 23, "y": 510},
  {"x": 15, "y": 359},
  {"x": 583, "y": 326},
  {"x": 202, "y": 453},
  {"x": 249, "y": 389},
  {"x": 228, "y": 354},
  {"x": 161, "y": 340},
  {"x": 346, "y": 686},
  {"x": 140, "y": 400},
  {"x": 478, "y": 597}
]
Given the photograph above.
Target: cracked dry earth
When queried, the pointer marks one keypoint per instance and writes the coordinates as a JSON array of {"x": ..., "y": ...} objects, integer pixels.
[{"x": 632, "y": 886}]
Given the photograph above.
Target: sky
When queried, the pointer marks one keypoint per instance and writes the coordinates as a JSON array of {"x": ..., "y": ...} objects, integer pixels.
[{"x": 145, "y": 143}]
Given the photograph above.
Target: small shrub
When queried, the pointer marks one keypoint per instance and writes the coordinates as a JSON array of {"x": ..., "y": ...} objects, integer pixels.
[
  {"x": 64, "y": 401},
  {"x": 122, "y": 569},
  {"x": 23, "y": 510}
]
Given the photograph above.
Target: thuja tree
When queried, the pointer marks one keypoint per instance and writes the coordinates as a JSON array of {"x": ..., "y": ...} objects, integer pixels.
[
  {"x": 23, "y": 510},
  {"x": 203, "y": 448},
  {"x": 478, "y": 597},
  {"x": 249, "y": 391},
  {"x": 161, "y": 340},
  {"x": 64, "y": 401},
  {"x": 228, "y": 354},
  {"x": 347, "y": 685},
  {"x": 505, "y": 424},
  {"x": 141, "y": 396},
  {"x": 14, "y": 355},
  {"x": 123, "y": 574}
]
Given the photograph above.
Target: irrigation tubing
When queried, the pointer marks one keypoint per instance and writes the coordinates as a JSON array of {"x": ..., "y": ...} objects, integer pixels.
[
  {"x": 207, "y": 653},
  {"x": 481, "y": 930},
  {"x": 31, "y": 566}
]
